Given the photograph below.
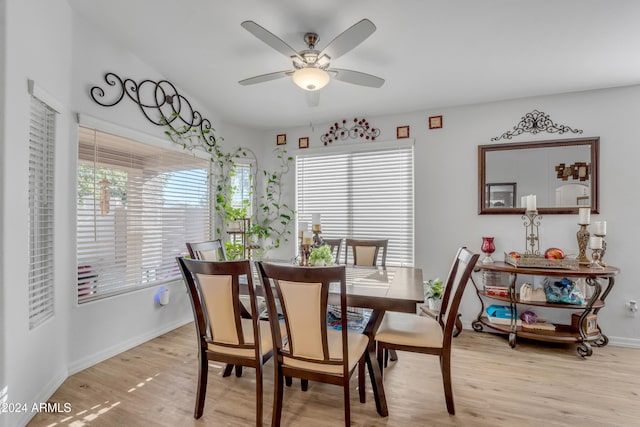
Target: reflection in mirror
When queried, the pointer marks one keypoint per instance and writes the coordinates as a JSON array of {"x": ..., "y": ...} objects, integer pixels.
[{"x": 563, "y": 175}]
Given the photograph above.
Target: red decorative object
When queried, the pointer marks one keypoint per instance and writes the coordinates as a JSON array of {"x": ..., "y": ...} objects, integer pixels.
[
  {"x": 488, "y": 248},
  {"x": 360, "y": 129}
]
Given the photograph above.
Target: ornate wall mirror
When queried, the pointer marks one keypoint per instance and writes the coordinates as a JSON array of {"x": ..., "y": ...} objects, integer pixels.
[{"x": 562, "y": 174}]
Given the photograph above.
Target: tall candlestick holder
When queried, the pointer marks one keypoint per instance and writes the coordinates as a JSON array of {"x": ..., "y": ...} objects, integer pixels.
[
  {"x": 583, "y": 240},
  {"x": 317, "y": 238},
  {"x": 596, "y": 256},
  {"x": 531, "y": 221},
  {"x": 604, "y": 248},
  {"x": 305, "y": 250},
  {"x": 306, "y": 243}
]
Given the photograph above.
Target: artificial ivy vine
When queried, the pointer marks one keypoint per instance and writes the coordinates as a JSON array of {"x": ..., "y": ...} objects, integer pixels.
[
  {"x": 162, "y": 104},
  {"x": 271, "y": 219}
]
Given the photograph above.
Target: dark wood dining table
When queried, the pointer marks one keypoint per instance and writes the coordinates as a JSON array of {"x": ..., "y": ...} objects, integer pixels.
[{"x": 379, "y": 289}]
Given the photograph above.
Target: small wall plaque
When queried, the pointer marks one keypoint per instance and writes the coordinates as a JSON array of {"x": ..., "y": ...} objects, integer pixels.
[
  {"x": 402, "y": 132},
  {"x": 435, "y": 122}
]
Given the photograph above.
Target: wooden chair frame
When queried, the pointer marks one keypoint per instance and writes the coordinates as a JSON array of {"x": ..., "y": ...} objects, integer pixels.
[
  {"x": 271, "y": 275},
  {"x": 197, "y": 249},
  {"x": 379, "y": 244},
  {"x": 333, "y": 244},
  {"x": 191, "y": 270},
  {"x": 456, "y": 283}
]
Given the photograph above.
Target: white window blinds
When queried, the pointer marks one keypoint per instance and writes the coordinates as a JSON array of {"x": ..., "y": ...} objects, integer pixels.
[
  {"x": 137, "y": 206},
  {"x": 361, "y": 195},
  {"x": 42, "y": 129}
]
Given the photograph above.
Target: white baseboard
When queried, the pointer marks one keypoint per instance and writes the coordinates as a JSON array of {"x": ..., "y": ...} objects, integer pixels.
[
  {"x": 43, "y": 395},
  {"x": 106, "y": 353}
]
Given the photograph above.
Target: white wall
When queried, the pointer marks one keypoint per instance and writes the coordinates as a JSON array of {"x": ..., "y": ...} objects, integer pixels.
[
  {"x": 37, "y": 33},
  {"x": 3, "y": 137},
  {"x": 446, "y": 186},
  {"x": 34, "y": 363}
]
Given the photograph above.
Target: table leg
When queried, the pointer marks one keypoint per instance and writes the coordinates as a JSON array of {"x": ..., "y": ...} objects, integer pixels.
[{"x": 374, "y": 370}]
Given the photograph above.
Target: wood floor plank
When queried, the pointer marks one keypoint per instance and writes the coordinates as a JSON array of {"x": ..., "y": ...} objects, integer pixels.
[{"x": 534, "y": 384}]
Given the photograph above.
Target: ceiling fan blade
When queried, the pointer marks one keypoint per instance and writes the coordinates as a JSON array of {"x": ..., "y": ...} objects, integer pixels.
[
  {"x": 271, "y": 39},
  {"x": 356, "y": 77},
  {"x": 349, "y": 39},
  {"x": 313, "y": 97},
  {"x": 264, "y": 78}
]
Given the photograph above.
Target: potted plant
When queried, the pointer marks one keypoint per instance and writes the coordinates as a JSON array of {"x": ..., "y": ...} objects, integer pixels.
[
  {"x": 235, "y": 217},
  {"x": 234, "y": 251},
  {"x": 321, "y": 256},
  {"x": 433, "y": 291}
]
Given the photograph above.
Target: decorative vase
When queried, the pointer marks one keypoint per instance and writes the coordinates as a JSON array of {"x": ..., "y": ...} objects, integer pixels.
[
  {"x": 488, "y": 248},
  {"x": 434, "y": 304}
]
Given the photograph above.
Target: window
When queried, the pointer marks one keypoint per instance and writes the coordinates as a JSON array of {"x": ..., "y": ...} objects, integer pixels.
[
  {"x": 137, "y": 206},
  {"x": 362, "y": 195},
  {"x": 241, "y": 189},
  {"x": 42, "y": 130}
]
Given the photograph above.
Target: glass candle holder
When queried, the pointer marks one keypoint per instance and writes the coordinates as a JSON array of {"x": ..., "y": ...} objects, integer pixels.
[{"x": 488, "y": 248}]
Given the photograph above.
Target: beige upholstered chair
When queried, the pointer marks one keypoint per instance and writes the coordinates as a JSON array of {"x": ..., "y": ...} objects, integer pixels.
[
  {"x": 213, "y": 250},
  {"x": 335, "y": 245},
  {"x": 207, "y": 251},
  {"x": 223, "y": 335},
  {"x": 424, "y": 334},
  {"x": 313, "y": 351},
  {"x": 366, "y": 252}
]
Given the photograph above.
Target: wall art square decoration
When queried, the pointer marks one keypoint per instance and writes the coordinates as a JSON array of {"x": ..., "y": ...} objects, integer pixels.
[
  {"x": 435, "y": 122},
  {"x": 402, "y": 132},
  {"x": 281, "y": 139},
  {"x": 303, "y": 142}
]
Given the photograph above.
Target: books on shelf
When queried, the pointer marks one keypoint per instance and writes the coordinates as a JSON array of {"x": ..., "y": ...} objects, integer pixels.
[
  {"x": 539, "y": 326},
  {"x": 496, "y": 291},
  {"x": 503, "y": 321},
  {"x": 492, "y": 278}
]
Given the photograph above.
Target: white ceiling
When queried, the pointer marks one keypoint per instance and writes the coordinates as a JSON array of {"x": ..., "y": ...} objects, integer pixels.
[{"x": 432, "y": 53}]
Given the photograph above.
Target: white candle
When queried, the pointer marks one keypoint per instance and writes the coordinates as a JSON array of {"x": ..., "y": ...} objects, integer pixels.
[
  {"x": 531, "y": 202},
  {"x": 584, "y": 216},
  {"x": 523, "y": 201},
  {"x": 595, "y": 242},
  {"x": 316, "y": 222},
  {"x": 302, "y": 227},
  {"x": 600, "y": 228}
]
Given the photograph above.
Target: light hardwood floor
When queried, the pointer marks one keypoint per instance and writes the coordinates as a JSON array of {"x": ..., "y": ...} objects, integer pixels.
[{"x": 535, "y": 384}]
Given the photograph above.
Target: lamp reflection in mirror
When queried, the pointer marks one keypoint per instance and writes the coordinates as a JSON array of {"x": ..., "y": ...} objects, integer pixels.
[{"x": 311, "y": 78}]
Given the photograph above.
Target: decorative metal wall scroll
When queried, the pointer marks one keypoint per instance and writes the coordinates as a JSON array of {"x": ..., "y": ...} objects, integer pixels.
[
  {"x": 160, "y": 103},
  {"x": 534, "y": 122},
  {"x": 359, "y": 129}
]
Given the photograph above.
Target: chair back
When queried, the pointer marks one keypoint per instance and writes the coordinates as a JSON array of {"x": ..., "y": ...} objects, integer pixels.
[
  {"x": 459, "y": 275},
  {"x": 212, "y": 250},
  {"x": 335, "y": 245},
  {"x": 214, "y": 291},
  {"x": 303, "y": 294},
  {"x": 365, "y": 252}
]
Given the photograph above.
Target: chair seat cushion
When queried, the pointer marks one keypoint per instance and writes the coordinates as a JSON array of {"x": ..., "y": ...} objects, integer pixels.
[
  {"x": 247, "y": 331},
  {"x": 357, "y": 344},
  {"x": 411, "y": 330}
]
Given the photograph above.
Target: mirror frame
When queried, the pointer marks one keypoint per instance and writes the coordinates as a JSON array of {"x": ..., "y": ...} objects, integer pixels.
[{"x": 594, "y": 146}]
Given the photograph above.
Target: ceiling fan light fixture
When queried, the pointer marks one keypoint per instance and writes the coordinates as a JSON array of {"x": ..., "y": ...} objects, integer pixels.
[{"x": 311, "y": 78}]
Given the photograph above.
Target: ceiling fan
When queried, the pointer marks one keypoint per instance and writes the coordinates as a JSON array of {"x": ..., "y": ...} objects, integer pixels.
[{"x": 311, "y": 67}]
